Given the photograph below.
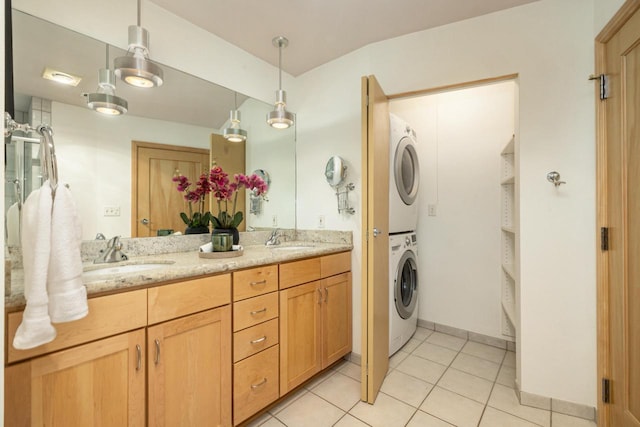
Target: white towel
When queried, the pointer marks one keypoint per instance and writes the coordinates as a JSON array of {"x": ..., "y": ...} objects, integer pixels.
[
  {"x": 207, "y": 247},
  {"x": 67, "y": 293},
  {"x": 36, "y": 328},
  {"x": 13, "y": 225}
]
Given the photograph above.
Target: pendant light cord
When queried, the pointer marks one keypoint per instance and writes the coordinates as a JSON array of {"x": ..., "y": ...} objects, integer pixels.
[
  {"x": 235, "y": 100},
  {"x": 107, "y": 57},
  {"x": 139, "y": 1},
  {"x": 280, "y": 64}
]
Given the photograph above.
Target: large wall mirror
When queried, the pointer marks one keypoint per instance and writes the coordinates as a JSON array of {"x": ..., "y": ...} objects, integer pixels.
[{"x": 94, "y": 151}]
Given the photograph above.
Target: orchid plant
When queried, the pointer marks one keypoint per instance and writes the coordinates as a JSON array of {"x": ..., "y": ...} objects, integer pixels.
[{"x": 224, "y": 191}]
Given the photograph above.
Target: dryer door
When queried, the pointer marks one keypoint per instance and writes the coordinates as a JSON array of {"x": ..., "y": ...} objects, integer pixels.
[
  {"x": 406, "y": 285},
  {"x": 406, "y": 170}
]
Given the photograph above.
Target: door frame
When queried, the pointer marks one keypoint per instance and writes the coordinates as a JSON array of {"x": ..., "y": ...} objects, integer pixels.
[{"x": 602, "y": 266}]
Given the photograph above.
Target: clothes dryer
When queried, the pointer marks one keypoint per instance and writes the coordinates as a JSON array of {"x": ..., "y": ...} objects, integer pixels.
[{"x": 404, "y": 177}]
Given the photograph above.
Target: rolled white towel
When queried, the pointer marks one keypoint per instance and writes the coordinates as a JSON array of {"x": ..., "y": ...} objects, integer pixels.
[
  {"x": 13, "y": 225},
  {"x": 207, "y": 248}
]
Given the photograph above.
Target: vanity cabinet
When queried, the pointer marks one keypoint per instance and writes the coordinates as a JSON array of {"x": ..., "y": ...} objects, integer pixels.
[{"x": 315, "y": 317}]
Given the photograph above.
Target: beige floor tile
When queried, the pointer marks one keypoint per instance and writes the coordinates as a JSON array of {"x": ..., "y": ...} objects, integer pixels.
[
  {"x": 272, "y": 422},
  {"x": 422, "y": 419},
  {"x": 444, "y": 340},
  {"x": 435, "y": 353},
  {"x": 398, "y": 357},
  {"x": 411, "y": 345},
  {"x": 475, "y": 366},
  {"x": 385, "y": 412},
  {"x": 453, "y": 408},
  {"x": 350, "y": 421},
  {"x": 484, "y": 351},
  {"x": 492, "y": 418},
  {"x": 310, "y": 410},
  {"x": 422, "y": 334},
  {"x": 561, "y": 420},
  {"x": 467, "y": 385},
  {"x": 406, "y": 388},
  {"x": 339, "y": 365},
  {"x": 287, "y": 401},
  {"x": 423, "y": 369},
  {"x": 260, "y": 420},
  {"x": 318, "y": 379},
  {"x": 505, "y": 399},
  {"x": 510, "y": 359},
  {"x": 507, "y": 376},
  {"x": 351, "y": 370},
  {"x": 339, "y": 389}
]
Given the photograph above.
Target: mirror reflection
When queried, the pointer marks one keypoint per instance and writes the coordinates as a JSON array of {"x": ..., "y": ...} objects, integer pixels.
[
  {"x": 336, "y": 171},
  {"x": 96, "y": 153}
]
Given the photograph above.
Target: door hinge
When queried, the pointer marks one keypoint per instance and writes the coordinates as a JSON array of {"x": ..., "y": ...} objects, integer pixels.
[
  {"x": 606, "y": 390},
  {"x": 604, "y": 238},
  {"x": 604, "y": 84}
]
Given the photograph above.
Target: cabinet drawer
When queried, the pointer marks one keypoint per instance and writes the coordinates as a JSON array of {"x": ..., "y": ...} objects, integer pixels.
[
  {"x": 108, "y": 315},
  {"x": 191, "y": 296},
  {"x": 255, "y": 383},
  {"x": 255, "y": 310},
  {"x": 254, "y": 339},
  {"x": 254, "y": 282},
  {"x": 298, "y": 272},
  {"x": 331, "y": 265}
]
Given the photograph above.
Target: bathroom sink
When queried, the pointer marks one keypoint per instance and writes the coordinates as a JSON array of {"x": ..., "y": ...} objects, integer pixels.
[
  {"x": 291, "y": 248},
  {"x": 108, "y": 270}
]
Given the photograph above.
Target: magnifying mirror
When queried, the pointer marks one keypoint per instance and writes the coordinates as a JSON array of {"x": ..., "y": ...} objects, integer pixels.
[{"x": 335, "y": 171}]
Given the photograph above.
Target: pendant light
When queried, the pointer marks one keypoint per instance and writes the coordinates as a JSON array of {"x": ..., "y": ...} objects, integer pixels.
[
  {"x": 136, "y": 69},
  {"x": 234, "y": 133},
  {"x": 280, "y": 118},
  {"x": 104, "y": 100}
]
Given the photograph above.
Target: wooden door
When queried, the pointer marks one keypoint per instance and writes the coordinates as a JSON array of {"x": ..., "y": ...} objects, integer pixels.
[
  {"x": 230, "y": 156},
  {"x": 300, "y": 355},
  {"x": 336, "y": 318},
  {"x": 154, "y": 194},
  {"x": 96, "y": 384},
  {"x": 619, "y": 209},
  {"x": 189, "y": 362},
  {"x": 375, "y": 244}
]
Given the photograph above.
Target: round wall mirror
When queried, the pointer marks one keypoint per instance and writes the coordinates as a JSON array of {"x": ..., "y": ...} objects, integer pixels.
[{"x": 335, "y": 171}]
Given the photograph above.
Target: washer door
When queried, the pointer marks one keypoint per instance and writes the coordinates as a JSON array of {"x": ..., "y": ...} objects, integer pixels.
[
  {"x": 406, "y": 170},
  {"x": 406, "y": 285}
]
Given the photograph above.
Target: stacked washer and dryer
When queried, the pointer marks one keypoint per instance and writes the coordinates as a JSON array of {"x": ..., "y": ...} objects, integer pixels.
[{"x": 404, "y": 177}]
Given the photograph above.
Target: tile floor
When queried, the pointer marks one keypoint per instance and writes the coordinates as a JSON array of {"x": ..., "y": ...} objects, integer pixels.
[{"x": 435, "y": 380}]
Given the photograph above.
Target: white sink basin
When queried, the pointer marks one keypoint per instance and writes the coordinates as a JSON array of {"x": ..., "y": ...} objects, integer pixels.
[
  {"x": 291, "y": 248},
  {"x": 121, "y": 269}
]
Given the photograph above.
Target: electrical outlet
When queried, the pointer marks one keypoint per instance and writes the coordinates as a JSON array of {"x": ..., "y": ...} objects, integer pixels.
[
  {"x": 274, "y": 221},
  {"x": 320, "y": 221},
  {"x": 111, "y": 211},
  {"x": 432, "y": 210}
]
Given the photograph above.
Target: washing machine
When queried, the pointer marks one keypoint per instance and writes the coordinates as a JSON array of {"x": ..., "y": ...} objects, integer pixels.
[
  {"x": 404, "y": 177},
  {"x": 403, "y": 289}
]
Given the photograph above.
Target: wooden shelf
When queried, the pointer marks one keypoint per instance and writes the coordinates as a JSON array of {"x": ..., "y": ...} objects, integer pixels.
[
  {"x": 508, "y": 229},
  {"x": 508, "y": 180},
  {"x": 508, "y": 268},
  {"x": 510, "y": 312}
]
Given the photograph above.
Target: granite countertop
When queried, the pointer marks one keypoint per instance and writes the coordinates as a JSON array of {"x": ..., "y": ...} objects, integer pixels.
[{"x": 180, "y": 266}]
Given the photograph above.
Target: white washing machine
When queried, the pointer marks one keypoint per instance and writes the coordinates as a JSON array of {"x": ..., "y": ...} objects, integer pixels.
[
  {"x": 403, "y": 289},
  {"x": 404, "y": 177}
]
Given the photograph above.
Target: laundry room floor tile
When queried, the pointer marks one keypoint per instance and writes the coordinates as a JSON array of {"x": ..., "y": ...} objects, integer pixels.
[
  {"x": 423, "y": 369},
  {"x": 484, "y": 351},
  {"x": 422, "y": 419},
  {"x": 444, "y": 340},
  {"x": 339, "y": 389},
  {"x": 453, "y": 408},
  {"x": 422, "y": 334},
  {"x": 475, "y": 366},
  {"x": 435, "y": 353},
  {"x": 406, "y": 388},
  {"x": 385, "y": 412},
  {"x": 467, "y": 385}
]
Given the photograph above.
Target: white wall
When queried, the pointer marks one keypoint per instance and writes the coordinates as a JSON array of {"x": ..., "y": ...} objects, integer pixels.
[
  {"x": 550, "y": 45},
  {"x": 460, "y": 135},
  {"x": 2, "y": 201},
  {"x": 604, "y": 11},
  {"x": 87, "y": 141}
]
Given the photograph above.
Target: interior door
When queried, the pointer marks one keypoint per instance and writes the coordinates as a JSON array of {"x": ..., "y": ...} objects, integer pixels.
[
  {"x": 375, "y": 221},
  {"x": 230, "y": 156},
  {"x": 156, "y": 204},
  {"x": 619, "y": 202}
]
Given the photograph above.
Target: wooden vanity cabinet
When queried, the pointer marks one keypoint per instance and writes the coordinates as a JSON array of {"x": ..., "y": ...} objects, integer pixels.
[{"x": 315, "y": 317}]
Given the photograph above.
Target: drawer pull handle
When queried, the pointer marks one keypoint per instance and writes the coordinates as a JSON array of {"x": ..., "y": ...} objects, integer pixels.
[
  {"x": 259, "y": 340},
  {"x": 320, "y": 296},
  {"x": 261, "y": 282},
  {"x": 326, "y": 294},
  {"x": 253, "y": 313},
  {"x": 138, "y": 357},
  {"x": 261, "y": 383},
  {"x": 157, "y": 360}
]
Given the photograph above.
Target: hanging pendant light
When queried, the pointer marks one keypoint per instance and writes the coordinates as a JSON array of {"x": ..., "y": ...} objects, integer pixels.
[
  {"x": 136, "y": 69},
  {"x": 104, "y": 100},
  {"x": 234, "y": 133},
  {"x": 280, "y": 118}
]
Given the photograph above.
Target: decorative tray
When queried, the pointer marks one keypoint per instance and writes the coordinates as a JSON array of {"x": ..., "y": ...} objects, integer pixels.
[{"x": 218, "y": 255}]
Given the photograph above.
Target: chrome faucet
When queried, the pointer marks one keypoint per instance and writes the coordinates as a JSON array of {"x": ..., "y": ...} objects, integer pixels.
[
  {"x": 113, "y": 252},
  {"x": 274, "y": 238}
]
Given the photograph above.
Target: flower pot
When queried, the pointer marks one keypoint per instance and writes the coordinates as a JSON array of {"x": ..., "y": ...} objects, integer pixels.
[
  {"x": 233, "y": 231},
  {"x": 196, "y": 230}
]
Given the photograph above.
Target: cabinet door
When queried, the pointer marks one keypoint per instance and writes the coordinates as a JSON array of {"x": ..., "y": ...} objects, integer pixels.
[
  {"x": 189, "y": 363},
  {"x": 96, "y": 384},
  {"x": 336, "y": 318},
  {"x": 300, "y": 354}
]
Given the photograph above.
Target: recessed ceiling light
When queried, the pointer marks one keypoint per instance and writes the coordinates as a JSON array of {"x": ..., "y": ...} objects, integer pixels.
[{"x": 61, "y": 77}]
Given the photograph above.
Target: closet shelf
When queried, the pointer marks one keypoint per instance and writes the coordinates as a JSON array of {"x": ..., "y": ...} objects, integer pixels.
[
  {"x": 508, "y": 229},
  {"x": 508, "y": 149},
  {"x": 510, "y": 311},
  {"x": 508, "y": 180},
  {"x": 508, "y": 268}
]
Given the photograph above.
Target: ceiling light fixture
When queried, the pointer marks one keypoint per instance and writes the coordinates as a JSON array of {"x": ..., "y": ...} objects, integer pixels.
[
  {"x": 61, "y": 77},
  {"x": 136, "y": 69},
  {"x": 234, "y": 133},
  {"x": 280, "y": 118},
  {"x": 105, "y": 100}
]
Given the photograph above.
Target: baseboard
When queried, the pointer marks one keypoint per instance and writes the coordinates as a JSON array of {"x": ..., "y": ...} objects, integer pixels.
[{"x": 471, "y": 336}]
